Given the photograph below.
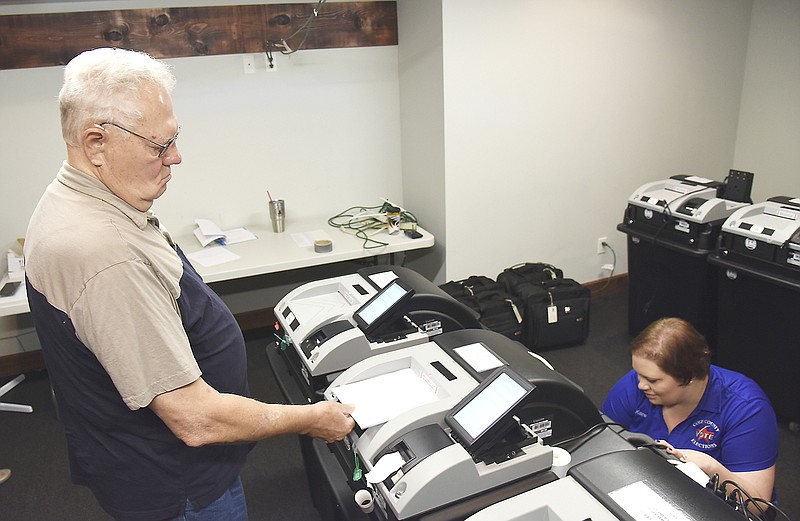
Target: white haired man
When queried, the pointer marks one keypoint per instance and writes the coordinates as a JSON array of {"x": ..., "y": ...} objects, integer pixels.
[{"x": 147, "y": 364}]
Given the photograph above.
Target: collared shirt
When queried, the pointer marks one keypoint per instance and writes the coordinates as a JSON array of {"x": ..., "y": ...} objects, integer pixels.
[
  {"x": 734, "y": 421},
  {"x": 87, "y": 248},
  {"x": 122, "y": 316}
]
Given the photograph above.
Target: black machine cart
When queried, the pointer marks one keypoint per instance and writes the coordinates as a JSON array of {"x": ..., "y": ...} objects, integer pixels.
[
  {"x": 672, "y": 226},
  {"x": 758, "y": 258}
]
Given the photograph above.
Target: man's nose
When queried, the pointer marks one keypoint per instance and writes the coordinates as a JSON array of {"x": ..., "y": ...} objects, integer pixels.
[{"x": 172, "y": 156}]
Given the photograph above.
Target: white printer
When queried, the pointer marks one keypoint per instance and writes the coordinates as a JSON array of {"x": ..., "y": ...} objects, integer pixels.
[
  {"x": 328, "y": 325},
  {"x": 764, "y": 236},
  {"x": 448, "y": 420},
  {"x": 685, "y": 210}
]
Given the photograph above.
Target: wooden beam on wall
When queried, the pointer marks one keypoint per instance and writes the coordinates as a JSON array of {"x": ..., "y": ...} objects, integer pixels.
[{"x": 40, "y": 40}]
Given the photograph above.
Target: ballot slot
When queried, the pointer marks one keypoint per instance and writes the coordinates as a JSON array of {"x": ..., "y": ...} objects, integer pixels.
[
  {"x": 323, "y": 334},
  {"x": 414, "y": 447}
]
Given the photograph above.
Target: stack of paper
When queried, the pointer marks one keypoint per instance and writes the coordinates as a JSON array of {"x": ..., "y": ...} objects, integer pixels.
[
  {"x": 208, "y": 232},
  {"x": 381, "y": 398}
]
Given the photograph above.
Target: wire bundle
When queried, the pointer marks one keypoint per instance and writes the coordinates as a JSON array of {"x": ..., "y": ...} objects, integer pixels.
[
  {"x": 283, "y": 44},
  {"x": 750, "y": 507},
  {"x": 366, "y": 221}
]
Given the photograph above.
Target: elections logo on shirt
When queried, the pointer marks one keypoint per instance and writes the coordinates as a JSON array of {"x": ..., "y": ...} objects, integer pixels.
[{"x": 706, "y": 433}]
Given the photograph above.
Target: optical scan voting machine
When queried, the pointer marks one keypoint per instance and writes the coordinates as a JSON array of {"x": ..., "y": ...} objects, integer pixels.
[
  {"x": 765, "y": 233},
  {"x": 687, "y": 209},
  {"x": 451, "y": 418},
  {"x": 328, "y": 325},
  {"x": 471, "y": 419}
]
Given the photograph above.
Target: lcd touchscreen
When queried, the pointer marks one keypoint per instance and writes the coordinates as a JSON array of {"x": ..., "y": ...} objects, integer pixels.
[
  {"x": 384, "y": 305},
  {"x": 478, "y": 417}
]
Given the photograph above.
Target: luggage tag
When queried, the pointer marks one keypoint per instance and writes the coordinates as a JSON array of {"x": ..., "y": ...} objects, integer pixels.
[{"x": 552, "y": 311}]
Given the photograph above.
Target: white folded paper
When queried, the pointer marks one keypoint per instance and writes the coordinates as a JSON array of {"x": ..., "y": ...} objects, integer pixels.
[{"x": 208, "y": 232}]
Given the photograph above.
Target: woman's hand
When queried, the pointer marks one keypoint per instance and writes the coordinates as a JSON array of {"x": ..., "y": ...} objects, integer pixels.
[
  {"x": 758, "y": 483},
  {"x": 706, "y": 463}
]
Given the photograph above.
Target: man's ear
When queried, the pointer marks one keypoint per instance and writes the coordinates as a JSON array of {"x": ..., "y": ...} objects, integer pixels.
[{"x": 95, "y": 144}]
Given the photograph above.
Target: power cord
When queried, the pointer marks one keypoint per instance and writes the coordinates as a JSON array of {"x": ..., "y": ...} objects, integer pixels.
[
  {"x": 586, "y": 435},
  {"x": 613, "y": 265},
  {"x": 741, "y": 501},
  {"x": 283, "y": 43},
  {"x": 366, "y": 221}
]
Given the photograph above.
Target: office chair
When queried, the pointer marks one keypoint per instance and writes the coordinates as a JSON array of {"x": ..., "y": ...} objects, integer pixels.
[{"x": 13, "y": 407}]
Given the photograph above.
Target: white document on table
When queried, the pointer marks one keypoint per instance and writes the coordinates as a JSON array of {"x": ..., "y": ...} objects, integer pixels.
[
  {"x": 212, "y": 256},
  {"x": 306, "y": 239},
  {"x": 208, "y": 232}
]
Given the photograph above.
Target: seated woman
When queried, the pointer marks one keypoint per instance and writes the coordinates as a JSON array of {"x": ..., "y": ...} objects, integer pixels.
[{"x": 716, "y": 418}]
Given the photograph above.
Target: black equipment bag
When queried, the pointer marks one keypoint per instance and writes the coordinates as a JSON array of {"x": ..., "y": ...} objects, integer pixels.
[
  {"x": 465, "y": 290},
  {"x": 556, "y": 314},
  {"x": 498, "y": 310},
  {"x": 517, "y": 279}
]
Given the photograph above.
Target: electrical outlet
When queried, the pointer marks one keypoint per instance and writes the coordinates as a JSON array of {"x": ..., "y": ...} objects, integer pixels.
[
  {"x": 249, "y": 64},
  {"x": 601, "y": 246}
]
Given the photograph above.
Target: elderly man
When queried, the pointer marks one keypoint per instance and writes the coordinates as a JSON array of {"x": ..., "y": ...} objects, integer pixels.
[{"x": 147, "y": 364}]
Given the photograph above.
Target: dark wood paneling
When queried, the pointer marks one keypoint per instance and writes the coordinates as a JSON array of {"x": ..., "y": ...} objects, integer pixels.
[{"x": 37, "y": 40}]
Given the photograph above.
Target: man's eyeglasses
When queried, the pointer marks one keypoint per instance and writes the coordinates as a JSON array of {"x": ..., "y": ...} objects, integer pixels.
[{"x": 162, "y": 147}]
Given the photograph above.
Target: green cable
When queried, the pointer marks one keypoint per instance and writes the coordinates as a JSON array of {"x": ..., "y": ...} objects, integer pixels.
[
  {"x": 284, "y": 342},
  {"x": 357, "y": 470}
]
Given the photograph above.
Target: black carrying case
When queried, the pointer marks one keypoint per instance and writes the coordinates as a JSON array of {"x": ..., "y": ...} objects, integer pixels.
[
  {"x": 519, "y": 277},
  {"x": 555, "y": 310},
  {"x": 498, "y": 310},
  {"x": 556, "y": 315}
]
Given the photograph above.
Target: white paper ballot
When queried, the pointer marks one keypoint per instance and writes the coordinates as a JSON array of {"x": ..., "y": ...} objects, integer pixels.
[
  {"x": 386, "y": 466},
  {"x": 693, "y": 471},
  {"x": 381, "y": 398},
  {"x": 478, "y": 357}
]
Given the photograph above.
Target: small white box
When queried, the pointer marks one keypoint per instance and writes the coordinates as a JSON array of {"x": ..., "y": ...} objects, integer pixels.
[{"x": 15, "y": 262}]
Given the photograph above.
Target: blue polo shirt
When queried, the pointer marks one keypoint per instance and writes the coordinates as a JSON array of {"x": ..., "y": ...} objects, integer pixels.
[{"x": 734, "y": 422}]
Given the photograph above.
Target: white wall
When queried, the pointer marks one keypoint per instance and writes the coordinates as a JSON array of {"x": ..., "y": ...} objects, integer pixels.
[
  {"x": 422, "y": 124},
  {"x": 322, "y": 133},
  {"x": 556, "y": 111},
  {"x": 524, "y": 128},
  {"x": 768, "y": 140}
]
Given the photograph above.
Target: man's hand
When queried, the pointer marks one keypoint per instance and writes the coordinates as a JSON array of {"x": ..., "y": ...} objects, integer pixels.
[
  {"x": 333, "y": 421},
  {"x": 199, "y": 415}
]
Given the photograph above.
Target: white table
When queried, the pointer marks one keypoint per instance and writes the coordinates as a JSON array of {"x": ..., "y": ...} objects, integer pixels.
[{"x": 274, "y": 252}]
